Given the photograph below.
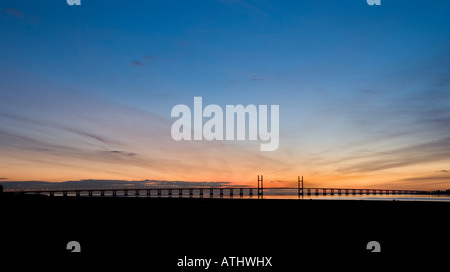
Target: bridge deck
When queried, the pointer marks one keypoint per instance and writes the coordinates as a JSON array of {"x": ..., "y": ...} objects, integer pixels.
[{"x": 313, "y": 189}]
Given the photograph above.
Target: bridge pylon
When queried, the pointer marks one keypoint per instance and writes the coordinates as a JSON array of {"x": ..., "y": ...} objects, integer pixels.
[
  {"x": 260, "y": 186},
  {"x": 300, "y": 185}
]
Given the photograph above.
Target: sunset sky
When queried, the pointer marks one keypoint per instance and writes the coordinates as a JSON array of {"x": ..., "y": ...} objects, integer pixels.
[{"x": 86, "y": 92}]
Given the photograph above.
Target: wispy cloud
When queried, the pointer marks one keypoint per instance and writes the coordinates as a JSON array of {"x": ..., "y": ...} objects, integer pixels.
[
  {"x": 442, "y": 182},
  {"x": 137, "y": 63},
  {"x": 257, "y": 78},
  {"x": 122, "y": 153},
  {"x": 15, "y": 13},
  {"x": 432, "y": 151},
  {"x": 78, "y": 136}
]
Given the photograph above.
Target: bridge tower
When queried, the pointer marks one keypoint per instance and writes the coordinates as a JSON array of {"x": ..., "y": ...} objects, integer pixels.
[
  {"x": 260, "y": 186},
  {"x": 300, "y": 185}
]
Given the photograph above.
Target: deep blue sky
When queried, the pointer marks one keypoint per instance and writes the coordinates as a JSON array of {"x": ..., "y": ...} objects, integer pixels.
[{"x": 354, "y": 82}]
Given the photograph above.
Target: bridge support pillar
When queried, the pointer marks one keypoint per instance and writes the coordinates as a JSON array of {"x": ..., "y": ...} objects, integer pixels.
[
  {"x": 211, "y": 192},
  {"x": 231, "y": 192},
  {"x": 90, "y": 192},
  {"x": 170, "y": 193},
  {"x": 102, "y": 193},
  {"x": 241, "y": 192},
  {"x": 191, "y": 192},
  {"x": 65, "y": 193},
  {"x": 77, "y": 193},
  {"x": 221, "y": 192},
  {"x": 250, "y": 193},
  {"x": 159, "y": 192},
  {"x": 180, "y": 192},
  {"x": 114, "y": 192}
]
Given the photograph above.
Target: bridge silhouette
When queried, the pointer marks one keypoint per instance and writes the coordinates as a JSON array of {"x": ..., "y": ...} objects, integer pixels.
[{"x": 212, "y": 191}]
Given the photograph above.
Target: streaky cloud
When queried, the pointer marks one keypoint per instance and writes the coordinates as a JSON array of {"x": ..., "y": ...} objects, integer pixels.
[{"x": 96, "y": 183}]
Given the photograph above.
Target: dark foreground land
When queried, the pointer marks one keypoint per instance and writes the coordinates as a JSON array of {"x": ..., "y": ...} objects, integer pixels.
[{"x": 151, "y": 232}]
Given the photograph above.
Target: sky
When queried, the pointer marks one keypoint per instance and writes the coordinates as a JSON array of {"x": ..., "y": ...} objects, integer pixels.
[{"x": 86, "y": 92}]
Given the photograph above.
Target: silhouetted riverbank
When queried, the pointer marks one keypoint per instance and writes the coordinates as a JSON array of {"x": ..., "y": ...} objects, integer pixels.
[{"x": 164, "y": 228}]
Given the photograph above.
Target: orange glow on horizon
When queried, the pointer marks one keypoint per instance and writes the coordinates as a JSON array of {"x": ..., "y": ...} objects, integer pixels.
[{"x": 248, "y": 178}]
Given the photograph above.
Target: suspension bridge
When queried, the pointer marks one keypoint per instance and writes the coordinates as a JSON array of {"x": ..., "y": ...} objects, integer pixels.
[{"x": 212, "y": 191}]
